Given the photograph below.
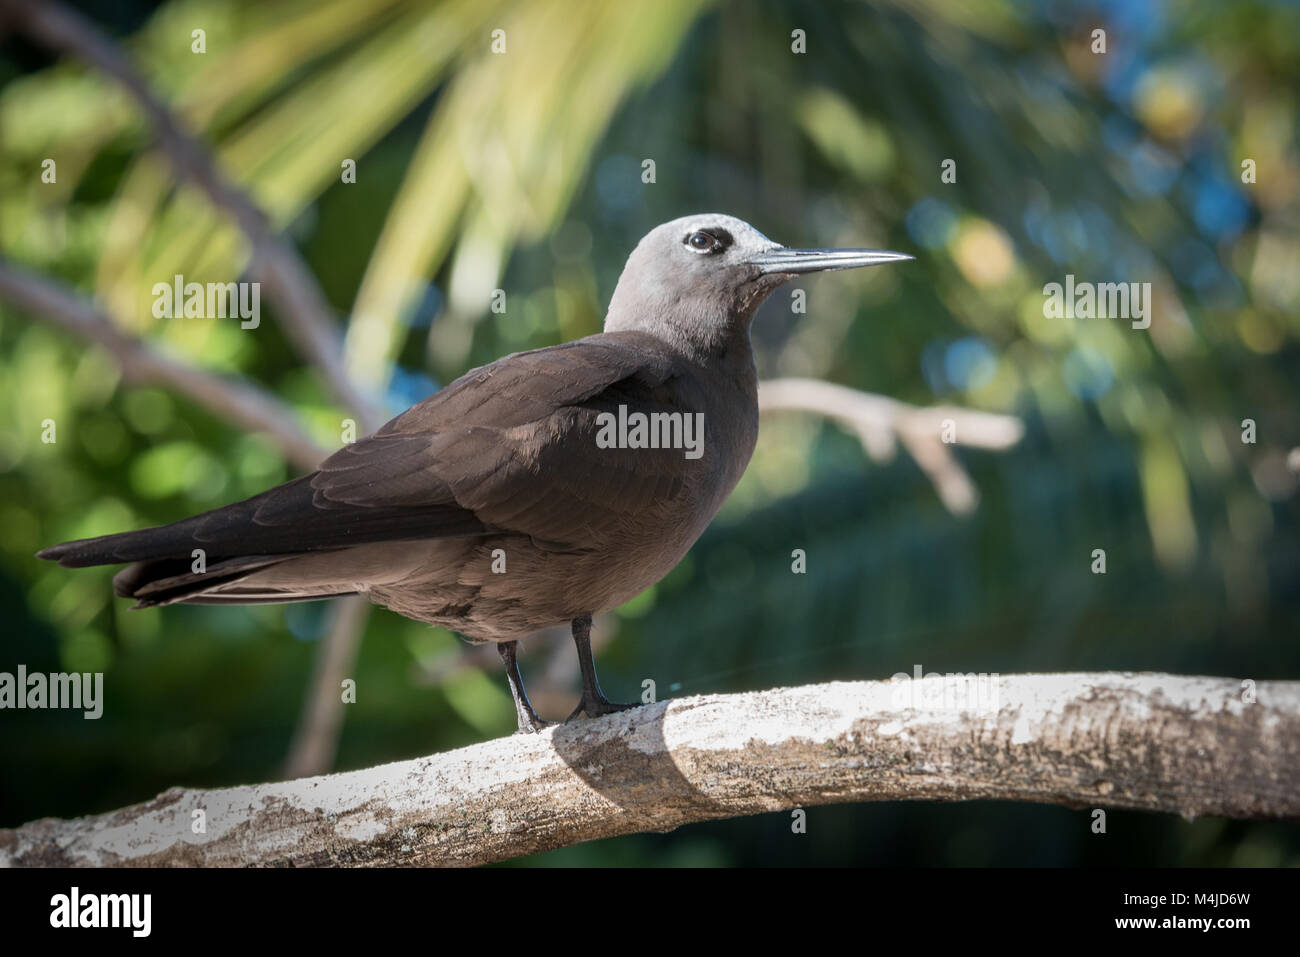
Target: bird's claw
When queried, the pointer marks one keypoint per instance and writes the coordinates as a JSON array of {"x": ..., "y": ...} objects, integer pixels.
[{"x": 529, "y": 723}]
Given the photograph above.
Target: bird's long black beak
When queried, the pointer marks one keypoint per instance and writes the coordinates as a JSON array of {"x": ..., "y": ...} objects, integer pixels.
[{"x": 782, "y": 260}]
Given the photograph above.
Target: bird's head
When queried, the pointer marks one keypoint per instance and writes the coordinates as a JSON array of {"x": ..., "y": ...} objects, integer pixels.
[{"x": 698, "y": 280}]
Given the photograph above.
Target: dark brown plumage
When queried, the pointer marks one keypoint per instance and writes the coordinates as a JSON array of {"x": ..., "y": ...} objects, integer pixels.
[{"x": 490, "y": 508}]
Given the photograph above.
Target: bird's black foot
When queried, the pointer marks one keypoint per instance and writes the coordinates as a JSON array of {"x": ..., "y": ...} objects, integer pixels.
[
  {"x": 594, "y": 703},
  {"x": 596, "y": 707}
]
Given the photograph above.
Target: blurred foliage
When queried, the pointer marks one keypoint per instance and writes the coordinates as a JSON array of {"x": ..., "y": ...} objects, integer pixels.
[{"x": 523, "y": 171}]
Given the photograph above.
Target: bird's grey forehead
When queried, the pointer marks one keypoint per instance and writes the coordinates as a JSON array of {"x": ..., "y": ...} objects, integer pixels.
[{"x": 741, "y": 232}]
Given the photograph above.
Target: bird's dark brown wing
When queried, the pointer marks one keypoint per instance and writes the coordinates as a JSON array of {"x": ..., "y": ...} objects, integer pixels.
[
  {"x": 514, "y": 443},
  {"x": 508, "y": 446}
]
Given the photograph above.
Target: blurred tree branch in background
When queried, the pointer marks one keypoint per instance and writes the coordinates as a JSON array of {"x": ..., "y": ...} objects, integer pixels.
[
  {"x": 273, "y": 260},
  {"x": 303, "y": 311},
  {"x": 1150, "y": 742},
  {"x": 235, "y": 401},
  {"x": 878, "y": 421},
  {"x": 316, "y": 738}
]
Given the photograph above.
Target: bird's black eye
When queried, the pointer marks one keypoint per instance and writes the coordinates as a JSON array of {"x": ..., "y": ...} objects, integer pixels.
[{"x": 702, "y": 242}]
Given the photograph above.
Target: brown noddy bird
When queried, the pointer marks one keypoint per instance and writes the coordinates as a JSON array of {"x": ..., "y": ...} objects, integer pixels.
[{"x": 529, "y": 492}]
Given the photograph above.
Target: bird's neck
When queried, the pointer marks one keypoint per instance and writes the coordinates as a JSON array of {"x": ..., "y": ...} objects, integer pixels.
[
  {"x": 712, "y": 344},
  {"x": 707, "y": 329}
]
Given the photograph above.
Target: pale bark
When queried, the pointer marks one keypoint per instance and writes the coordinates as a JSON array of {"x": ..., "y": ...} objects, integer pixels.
[{"x": 1186, "y": 745}]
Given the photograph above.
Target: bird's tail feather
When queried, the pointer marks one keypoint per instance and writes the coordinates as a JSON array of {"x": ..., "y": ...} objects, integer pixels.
[
  {"x": 176, "y": 581},
  {"x": 165, "y": 581}
]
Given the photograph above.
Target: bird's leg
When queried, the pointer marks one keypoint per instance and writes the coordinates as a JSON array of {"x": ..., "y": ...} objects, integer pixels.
[
  {"x": 524, "y": 713},
  {"x": 594, "y": 703}
]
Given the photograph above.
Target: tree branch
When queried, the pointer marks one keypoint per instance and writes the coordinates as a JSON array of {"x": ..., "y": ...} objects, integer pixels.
[
  {"x": 1151, "y": 742},
  {"x": 229, "y": 399},
  {"x": 273, "y": 260},
  {"x": 877, "y": 420},
  {"x": 316, "y": 739}
]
